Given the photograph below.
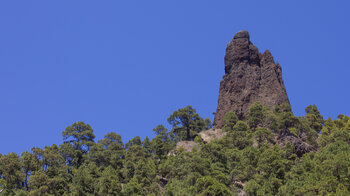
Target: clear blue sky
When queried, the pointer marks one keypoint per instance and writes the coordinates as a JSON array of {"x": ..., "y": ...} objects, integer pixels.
[{"x": 125, "y": 66}]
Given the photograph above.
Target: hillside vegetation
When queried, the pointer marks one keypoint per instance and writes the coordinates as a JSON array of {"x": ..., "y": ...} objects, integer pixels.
[{"x": 272, "y": 153}]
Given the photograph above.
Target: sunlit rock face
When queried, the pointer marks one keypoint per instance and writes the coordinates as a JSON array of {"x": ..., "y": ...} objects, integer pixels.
[{"x": 249, "y": 77}]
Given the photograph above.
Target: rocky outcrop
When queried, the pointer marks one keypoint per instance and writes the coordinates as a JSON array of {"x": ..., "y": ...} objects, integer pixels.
[
  {"x": 209, "y": 135},
  {"x": 249, "y": 77},
  {"x": 187, "y": 146},
  {"x": 299, "y": 143}
]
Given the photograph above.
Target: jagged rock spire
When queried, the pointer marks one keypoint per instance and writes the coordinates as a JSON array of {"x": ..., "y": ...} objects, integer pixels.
[{"x": 249, "y": 77}]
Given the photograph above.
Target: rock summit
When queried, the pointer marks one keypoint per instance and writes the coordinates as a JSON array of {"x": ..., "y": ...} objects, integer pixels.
[{"x": 249, "y": 77}]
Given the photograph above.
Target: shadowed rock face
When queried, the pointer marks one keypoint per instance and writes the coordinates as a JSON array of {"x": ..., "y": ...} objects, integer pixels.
[{"x": 249, "y": 77}]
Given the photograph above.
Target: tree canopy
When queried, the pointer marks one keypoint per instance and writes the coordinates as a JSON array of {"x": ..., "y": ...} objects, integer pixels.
[{"x": 247, "y": 159}]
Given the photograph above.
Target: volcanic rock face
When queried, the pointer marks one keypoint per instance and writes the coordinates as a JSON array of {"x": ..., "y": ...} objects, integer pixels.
[{"x": 249, "y": 77}]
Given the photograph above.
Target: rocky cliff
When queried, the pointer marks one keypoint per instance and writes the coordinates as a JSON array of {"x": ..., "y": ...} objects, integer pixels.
[{"x": 249, "y": 77}]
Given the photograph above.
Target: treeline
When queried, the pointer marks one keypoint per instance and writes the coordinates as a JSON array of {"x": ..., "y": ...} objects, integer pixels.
[{"x": 249, "y": 158}]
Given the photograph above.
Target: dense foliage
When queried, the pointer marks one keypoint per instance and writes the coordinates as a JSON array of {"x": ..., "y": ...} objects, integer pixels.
[{"x": 248, "y": 159}]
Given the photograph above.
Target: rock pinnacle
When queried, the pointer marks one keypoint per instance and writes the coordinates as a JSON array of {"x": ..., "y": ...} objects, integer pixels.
[{"x": 249, "y": 77}]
